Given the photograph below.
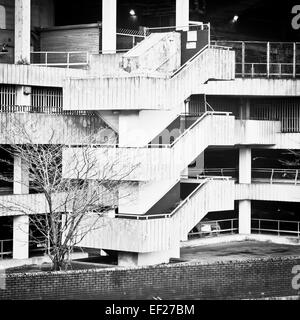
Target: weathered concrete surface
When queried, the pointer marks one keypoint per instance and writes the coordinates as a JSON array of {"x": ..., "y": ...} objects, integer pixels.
[
  {"x": 42, "y": 128},
  {"x": 159, "y": 52}
]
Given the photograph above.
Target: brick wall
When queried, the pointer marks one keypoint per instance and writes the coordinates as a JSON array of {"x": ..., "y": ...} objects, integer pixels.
[{"x": 230, "y": 280}]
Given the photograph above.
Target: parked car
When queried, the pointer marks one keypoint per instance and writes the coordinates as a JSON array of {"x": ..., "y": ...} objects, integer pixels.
[{"x": 207, "y": 228}]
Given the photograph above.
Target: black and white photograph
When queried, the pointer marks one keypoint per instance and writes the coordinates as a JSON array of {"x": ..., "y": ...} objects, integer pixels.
[{"x": 149, "y": 153}]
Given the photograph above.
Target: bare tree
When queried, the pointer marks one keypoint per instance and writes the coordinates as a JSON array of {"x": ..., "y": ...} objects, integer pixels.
[
  {"x": 293, "y": 159},
  {"x": 76, "y": 192}
]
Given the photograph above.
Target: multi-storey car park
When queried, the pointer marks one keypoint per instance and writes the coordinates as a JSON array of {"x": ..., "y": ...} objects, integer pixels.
[{"x": 210, "y": 123}]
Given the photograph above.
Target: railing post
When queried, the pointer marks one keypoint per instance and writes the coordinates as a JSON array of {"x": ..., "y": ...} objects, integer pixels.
[
  {"x": 133, "y": 41},
  {"x": 296, "y": 177},
  {"x": 279, "y": 69},
  {"x": 259, "y": 226},
  {"x": 68, "y": 59},
  {"x": 278, "y": 228},
  {"x": 243, "y": 59},
  {"x": 294, "y": 60},
  {"x": 46, "y": 58},
  {"x": 271, "y": 180},
  {"x": 252, "y": 70},
  {"x": 268, "y": 59},
  {"x": 298, "y": 229},
  {"x": 231, "y": 226},
  {"x": 145, "y": 32},
  {"x": 209, "y": 35}
]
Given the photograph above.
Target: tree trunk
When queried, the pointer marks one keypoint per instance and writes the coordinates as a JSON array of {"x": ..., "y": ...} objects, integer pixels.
[{"x": 57, "y": 264}]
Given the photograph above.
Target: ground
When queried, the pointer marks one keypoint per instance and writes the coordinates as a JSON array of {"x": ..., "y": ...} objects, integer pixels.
[
  {"x": 209, "y": 253},
  {"x": 238, "y": 250}
]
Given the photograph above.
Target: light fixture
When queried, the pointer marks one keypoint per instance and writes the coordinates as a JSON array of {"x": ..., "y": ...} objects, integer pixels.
[
  {"x": 235, "y": 18},
  {"x": 132, "y": 12}
]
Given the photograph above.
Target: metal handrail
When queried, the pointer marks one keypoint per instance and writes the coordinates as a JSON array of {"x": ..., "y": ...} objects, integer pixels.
[
  {"x": 164, "y": 215},
  {"x": 272, "y": 172},
  {"x": 2, "y": 252},
  {"x": 195, "y": 123},
  {"x": 170, "y": 145},
  {"x": 278, "y": 230},
  {"x": 232, "y": 229},
  {"x": 60, "y": 52},
  {"x": 192, "y": 24},
  {"x": 274, "y": 169},
  {"x": 189, "y": 61},
  {"x": 296, "y": 172},
  {"x": 41, "y": 109},
  {"x": 221, "y": 170},
  {"x": 67, "y": 53},
  {"x": 262, "y": 50}
]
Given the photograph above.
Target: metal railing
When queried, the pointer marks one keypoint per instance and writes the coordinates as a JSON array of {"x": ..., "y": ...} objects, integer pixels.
[
  {"x": 187, "y": 63},
  {"x": 269, "y": 175},
  {"x": 164, "y": 215},
  {"x": 265, "y": 59},
  {"x": 276, "y": 175},
  {"x": 202, "y": 182},
  {"x": 267, "y": 69},
  {"x": 6, "y": 248},
  {"x": 126, "y": 41},
  {"x": 214, "y": 228},
  {"x": 193, "y": 26},
  {"x": 279, "y": 227},
  {"x": 155, "y": 145},
  {"x": 63, "y": 59},
  {"x": 223, "y": 172},
  {"x": 208, "y": 176},
  {"x": 204, "y": 115},
  {"x": 41, "y": 109}
]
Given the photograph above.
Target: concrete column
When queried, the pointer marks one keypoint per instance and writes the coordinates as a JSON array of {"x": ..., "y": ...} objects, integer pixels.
[
  {"x": 182, "y": 14},
  {"x": 245, "y": 165},
  {"x": 245, "y": 177},
  {"x": 245, "y": 109},
  {"x": 23, "y": 96},
  {"x": 109, "y": 26},
  {"x": 133, "y": 259},
  {"x": 22, "y": 31},
  {"x": 244, "y": 217},
  {"x": 21, "y": 176},
  {"x": 21, "y": 237}
]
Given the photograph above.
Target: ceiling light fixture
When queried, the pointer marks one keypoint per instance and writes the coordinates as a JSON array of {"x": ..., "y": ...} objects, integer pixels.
[
  {"x": 132, "y": 12},
  {"x": 235, "y": 18}
]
